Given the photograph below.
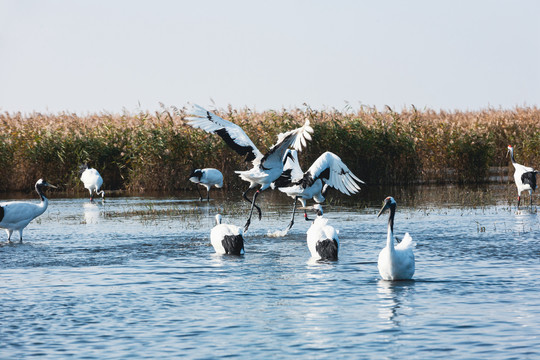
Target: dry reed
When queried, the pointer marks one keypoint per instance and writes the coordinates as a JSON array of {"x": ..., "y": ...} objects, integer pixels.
[{"x": 157, "y": 151}]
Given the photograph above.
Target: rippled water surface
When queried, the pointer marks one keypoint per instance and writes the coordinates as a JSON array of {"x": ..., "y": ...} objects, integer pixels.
[{"x": 136, "y": 277}]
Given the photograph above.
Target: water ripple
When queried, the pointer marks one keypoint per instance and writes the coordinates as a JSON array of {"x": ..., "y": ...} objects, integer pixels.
[{"x": 127, "y": 285}]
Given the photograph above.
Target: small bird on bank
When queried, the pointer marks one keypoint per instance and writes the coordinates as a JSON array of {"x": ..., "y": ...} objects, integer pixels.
[
  {"x": 524, "y": 176},
  {"x": 206, "y": 177},
  {"x": 322, "y": 239},
  {"x": 266, "y": 168},
  {"x": 327, "y": 171},
  {"x": 395, "y": 263},
  {"x": 92, "y": 180},
  {"x": 227, "y": 239},
  {"x": 16, "y": 215}
]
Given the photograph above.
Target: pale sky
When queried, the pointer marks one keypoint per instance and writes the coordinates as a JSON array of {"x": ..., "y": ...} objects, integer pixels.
[{"x": 106, "y": 55}]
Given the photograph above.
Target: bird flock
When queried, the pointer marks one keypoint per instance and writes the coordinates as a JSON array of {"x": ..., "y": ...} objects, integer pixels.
[{"x": 278, "y": 168}]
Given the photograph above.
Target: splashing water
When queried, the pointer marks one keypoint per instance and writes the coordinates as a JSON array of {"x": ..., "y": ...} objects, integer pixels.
[{"x": 277, "y": 233}]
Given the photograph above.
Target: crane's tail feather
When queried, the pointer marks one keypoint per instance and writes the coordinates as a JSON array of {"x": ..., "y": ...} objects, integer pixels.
[{"x": 406, "y": 243}]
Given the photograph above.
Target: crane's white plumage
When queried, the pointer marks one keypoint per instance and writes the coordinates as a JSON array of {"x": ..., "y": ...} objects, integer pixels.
[
  {"x": 395, "y": 262},
  {"x": 227, "y": 239},
  {"x": 327, "y": 171},
  {"x": 16, "y": 215},
  {"x": 524, "y": 177},
  {"x": 207, "y": 177},
  {"x": 322, "y": 239},
  {"x": 92, "y": 181},
  {"x": 266, "y": 168}
]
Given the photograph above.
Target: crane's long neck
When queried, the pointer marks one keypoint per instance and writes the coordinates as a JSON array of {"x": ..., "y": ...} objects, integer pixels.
[
  {"x": 512, "y": 156},
  {"x": 390, "y": 235},
  {"x": 40, "y": 193},
  {"x": 44, "y": 201}
]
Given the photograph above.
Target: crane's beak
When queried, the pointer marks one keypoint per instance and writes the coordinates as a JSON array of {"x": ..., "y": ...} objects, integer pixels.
[
  {"x": 508, "y": 152},
  {"x": 385, "y": 206},
  {"x": 49, "y": 185}
]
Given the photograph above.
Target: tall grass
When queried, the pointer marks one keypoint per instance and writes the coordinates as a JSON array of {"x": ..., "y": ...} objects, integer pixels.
[{"x": 157, "y": 151}]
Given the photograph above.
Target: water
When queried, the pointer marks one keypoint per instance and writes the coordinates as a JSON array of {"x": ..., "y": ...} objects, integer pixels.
[{"x": 137, "y": 277}]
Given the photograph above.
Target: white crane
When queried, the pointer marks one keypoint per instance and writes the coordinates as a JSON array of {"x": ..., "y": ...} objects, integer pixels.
[
  {"x": 395, "y": 262},
  {"x": 207, "y": 177},
  {"x": 524, "y": 176},
  {"x": 322, "y": 239},
  {"x": 266, "y": 168},
  {"x": 327, "y": 171},
  {"x": 92, "y": 180},
  {"x": 16, "y": 215},
  {"x": 227, "y": 239}
]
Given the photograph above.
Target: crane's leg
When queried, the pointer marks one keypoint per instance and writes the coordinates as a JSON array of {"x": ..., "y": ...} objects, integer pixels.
[
  {"x": 199, "y": 191},
  {"x": 9, "y": 232},
  {"x": 293, "y": 213},
  {"x": 306, "y": 215},
  {"x": 304, "y": 205},
  {"x": 244, "y": 195},
  {"x": 20, "y": 236},
  {"x": 519, "y": 199},
  {"x": 251, "y": 211},
  {"x": 208, "y": 193},
  {"x": 530, "y": 193}
]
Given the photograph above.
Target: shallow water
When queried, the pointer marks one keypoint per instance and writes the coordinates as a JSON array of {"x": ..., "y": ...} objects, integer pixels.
[{"x": 136, "y": 277}]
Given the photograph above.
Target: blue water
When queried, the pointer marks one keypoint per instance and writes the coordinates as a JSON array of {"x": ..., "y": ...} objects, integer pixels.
[{"x": 137, "y": 278}]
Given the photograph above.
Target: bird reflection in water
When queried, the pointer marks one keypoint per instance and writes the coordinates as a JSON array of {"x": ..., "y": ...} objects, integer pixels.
[
  {"x": 91, "y": 213},
  {"x": 395, "y": 297}
]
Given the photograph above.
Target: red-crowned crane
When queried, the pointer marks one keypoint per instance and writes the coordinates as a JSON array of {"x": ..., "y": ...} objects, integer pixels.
[
  {"x": 266, "y": 168},
  {"x": 322, "y": 239},
  {"x": 227, "y": 239},
  {"x": 524, "y": 176},
  {"x": 327, "y": 171},
  {"x": 92, "y": 181},
  {"x": 207, "y": 177},
  {"x": 395, "y": 262},
  {"x": 16, "y": 215}
]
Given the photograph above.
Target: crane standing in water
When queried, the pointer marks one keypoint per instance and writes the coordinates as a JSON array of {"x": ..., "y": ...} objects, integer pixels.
[
  {"x": 524, "y": 177},
  {"x": 16, "y": 215}
]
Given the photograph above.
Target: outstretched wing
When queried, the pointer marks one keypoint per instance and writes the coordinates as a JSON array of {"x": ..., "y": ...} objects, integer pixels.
[
  {"x": 291, "y": 170},
  {"x": 296, "y": 139},
  {"x": 231, "y": 133},
  {"x": 329, "y": 168}
]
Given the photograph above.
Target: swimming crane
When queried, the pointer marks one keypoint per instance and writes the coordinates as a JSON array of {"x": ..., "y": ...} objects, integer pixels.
[
  {"x": 322, "y": 239},
  {"x": 266, "y": 168},
  {"x": 207, "y": 177},
  {"x": 227, "y": 239},
  {"x": 524, "y": 176},
  {"x": 92, "y": 180},
  {"x": 395, "y": 262},
  {"x": 16, "y": 215},
  {"x": 327, "y": 171}
]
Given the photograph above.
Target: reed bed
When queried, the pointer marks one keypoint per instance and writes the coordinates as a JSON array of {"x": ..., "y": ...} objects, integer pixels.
[{"x": 156, "y": 151}]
